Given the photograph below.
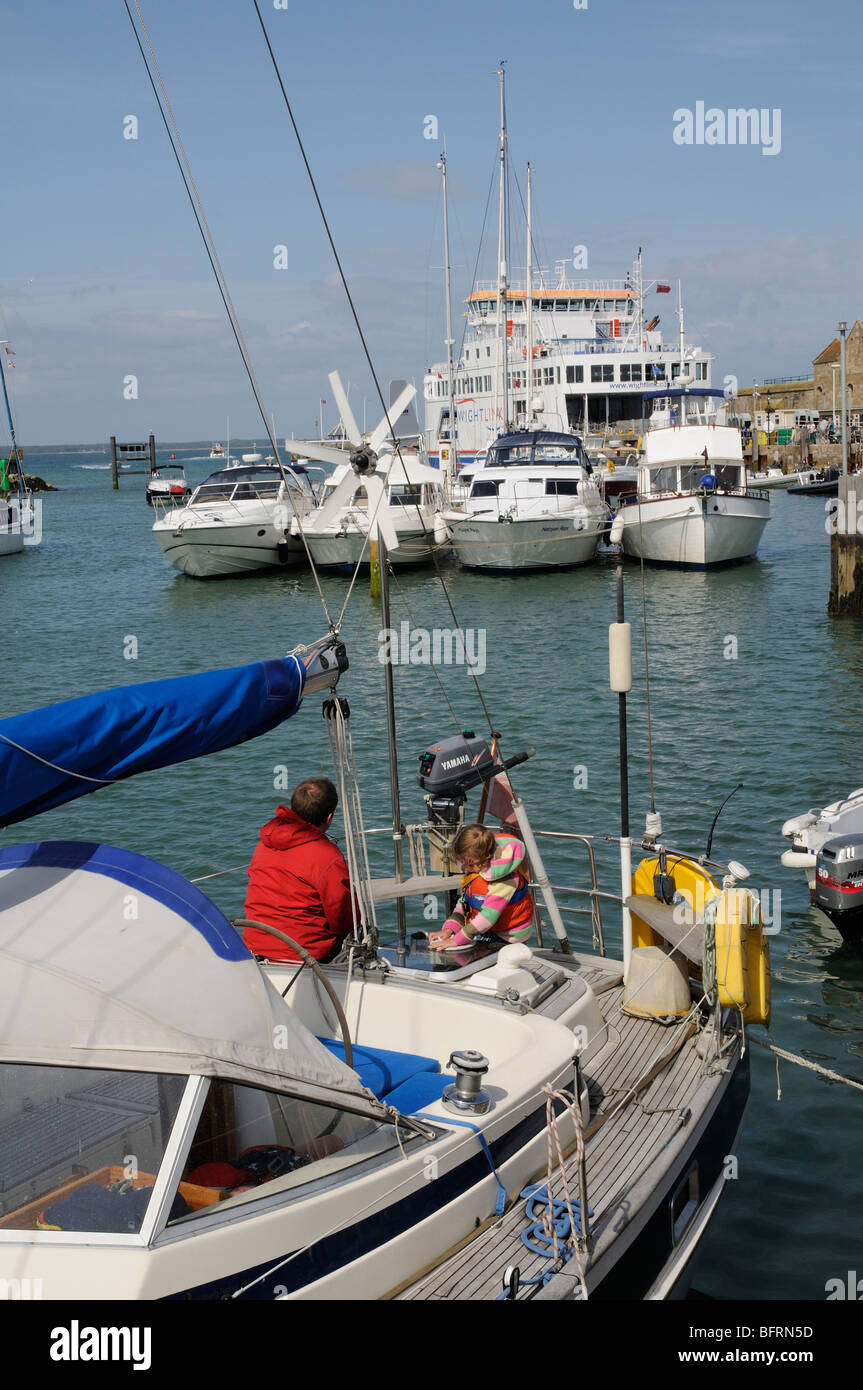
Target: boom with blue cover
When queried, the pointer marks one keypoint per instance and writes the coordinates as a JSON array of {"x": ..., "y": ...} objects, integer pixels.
[{"x": 53, "y": 755}]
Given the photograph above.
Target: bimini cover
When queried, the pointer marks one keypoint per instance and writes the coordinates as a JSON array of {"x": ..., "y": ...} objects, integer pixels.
[
  {"x": 109, "y": 959},
  {"x": 53, "y": 755}
]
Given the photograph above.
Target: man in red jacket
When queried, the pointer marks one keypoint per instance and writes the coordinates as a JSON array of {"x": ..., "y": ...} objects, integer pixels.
[{"x": 298, "y": 879}]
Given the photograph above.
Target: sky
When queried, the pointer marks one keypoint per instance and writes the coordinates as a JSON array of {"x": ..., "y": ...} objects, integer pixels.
[{"x": 103, "y": 275}]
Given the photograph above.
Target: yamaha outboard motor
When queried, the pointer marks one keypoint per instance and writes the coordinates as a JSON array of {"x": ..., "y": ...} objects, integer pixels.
[
  {"x": 839, "y": 884},
  {"x": 449, "y": 769}
]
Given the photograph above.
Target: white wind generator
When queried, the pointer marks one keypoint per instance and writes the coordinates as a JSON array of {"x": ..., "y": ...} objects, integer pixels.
[{"x": 364, "y": 467}]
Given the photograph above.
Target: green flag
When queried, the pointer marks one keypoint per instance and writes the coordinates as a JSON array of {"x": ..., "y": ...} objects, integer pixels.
[{"x": 4, "y": 476}]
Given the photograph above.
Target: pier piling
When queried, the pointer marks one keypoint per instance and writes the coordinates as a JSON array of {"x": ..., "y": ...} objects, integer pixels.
[{"x": 846, "y": 552}]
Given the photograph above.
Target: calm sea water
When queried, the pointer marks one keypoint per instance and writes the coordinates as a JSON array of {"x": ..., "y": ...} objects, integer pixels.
[{"x": 781, "y": 716}]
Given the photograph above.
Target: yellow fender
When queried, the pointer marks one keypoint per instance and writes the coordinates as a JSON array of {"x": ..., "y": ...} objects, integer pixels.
[
  {"x": 742, "y": 955},
  {"x": 742, "y": 949}
]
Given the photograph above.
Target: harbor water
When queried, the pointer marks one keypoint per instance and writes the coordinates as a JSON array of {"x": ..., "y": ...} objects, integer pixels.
[{"x": 750, "y": 682}]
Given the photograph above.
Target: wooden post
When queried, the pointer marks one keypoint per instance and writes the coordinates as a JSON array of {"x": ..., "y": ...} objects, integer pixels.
[
  {"x": 115, "y": 479},
  {"x": 846, "y": 552},
  {"x": 152, "y": 443},
  {"x": 374, "y": 570}
]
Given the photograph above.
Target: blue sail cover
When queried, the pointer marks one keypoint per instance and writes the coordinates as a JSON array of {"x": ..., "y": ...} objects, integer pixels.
[{"x": 100, "y": 739}]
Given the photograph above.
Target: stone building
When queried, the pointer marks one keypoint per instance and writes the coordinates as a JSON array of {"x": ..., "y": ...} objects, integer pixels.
[
  {"x": 828, "y": 380},
  {"x": 779, "y": 402}
]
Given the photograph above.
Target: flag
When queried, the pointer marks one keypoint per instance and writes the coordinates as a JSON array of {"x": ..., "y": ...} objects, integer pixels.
[
  {"x": 663, "y": 289},
  {"x": 9, "y": 353},
  {"x": 657, "y": 369}
]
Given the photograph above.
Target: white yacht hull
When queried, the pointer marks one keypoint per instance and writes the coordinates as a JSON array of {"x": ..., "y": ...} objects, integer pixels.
[
  {"x": 14, "y": 520},
  {"x": 550, "y": 542},
  {"x": 341, "y": 550},
  {"x": 206, "y": 550},
  {"x": 695, "y": 532}
]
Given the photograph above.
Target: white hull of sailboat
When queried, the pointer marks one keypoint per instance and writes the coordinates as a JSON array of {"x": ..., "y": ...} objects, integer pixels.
[
  {"x": 551, "y": 542},
  {"x": 695, "y": 532}
]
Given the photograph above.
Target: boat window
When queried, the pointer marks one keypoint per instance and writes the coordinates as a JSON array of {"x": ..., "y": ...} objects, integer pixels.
[
  {"x": 253, "y": 1143},
  {"x": 486, "y": 487},
  {"x": 728, "y": 475},
  {"x": 561, "y": 306},
  {"x": 80, "y": 1148},
  {"x": 663, "y": 479},
  {"x": 547, "y": 306},
  {"x": 561, "y": 487},
  {"x": 406, "y": 494},
  {"x": 216, "y": 492}
]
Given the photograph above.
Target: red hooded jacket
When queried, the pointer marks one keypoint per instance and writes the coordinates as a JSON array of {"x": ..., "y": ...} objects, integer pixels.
[{"x": 299, "y": 883}]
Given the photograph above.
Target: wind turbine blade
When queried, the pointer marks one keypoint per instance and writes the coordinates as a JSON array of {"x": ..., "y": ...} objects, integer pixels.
[
  {"x": 379, "y": 508},
  {"x": 345, "y": 411},
  {"x": 311, "y": 449},
  {"x": 396, "y": 410},
  {"x": 341, "y": 496}
]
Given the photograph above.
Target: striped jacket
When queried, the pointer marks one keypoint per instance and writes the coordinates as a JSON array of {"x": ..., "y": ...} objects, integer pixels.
[{"x": 498, "y": 901}]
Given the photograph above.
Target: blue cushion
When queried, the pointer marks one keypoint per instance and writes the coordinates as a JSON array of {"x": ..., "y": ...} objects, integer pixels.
[
  {"x": 382, "y": 1071},
  {"x": 419, "y": 1091}
]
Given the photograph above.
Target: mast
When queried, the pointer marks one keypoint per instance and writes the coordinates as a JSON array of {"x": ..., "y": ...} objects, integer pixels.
[
  {"x": 639, "y": 290},
  {"x": 683, "y": 372},
  {"x": 15, "y": 452},
  {"x": 503, "y": 255},
  {"x": 452, "y": 468},
  {"x": 529, "y": 395}
]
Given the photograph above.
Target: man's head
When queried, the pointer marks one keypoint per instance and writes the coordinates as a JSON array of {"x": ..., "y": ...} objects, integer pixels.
[{"x": 315, "y": 800}]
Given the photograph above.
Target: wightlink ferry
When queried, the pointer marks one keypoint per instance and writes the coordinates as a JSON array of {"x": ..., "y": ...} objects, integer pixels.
[{"x": 595, "y": 347}]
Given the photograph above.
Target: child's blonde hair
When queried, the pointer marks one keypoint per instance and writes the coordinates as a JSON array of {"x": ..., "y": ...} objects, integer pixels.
[{"x": 475, "y": 842}]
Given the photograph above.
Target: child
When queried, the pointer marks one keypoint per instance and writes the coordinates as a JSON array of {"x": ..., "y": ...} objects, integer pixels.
[{"x": 495, "y": 897}]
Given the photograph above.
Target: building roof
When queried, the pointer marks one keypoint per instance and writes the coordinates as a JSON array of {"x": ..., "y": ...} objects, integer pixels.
[{"x": 830, "y": 354}]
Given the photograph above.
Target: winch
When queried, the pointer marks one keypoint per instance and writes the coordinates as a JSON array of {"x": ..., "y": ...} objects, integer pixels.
[{"x": 465, "y": 1093}]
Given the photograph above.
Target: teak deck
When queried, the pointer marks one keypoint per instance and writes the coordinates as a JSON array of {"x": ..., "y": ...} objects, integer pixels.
[{"x": 619, "y": 1148}]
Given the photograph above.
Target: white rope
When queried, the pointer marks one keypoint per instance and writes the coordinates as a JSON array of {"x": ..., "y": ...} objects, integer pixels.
[
  {"x": 572, "y": 1104},
  {"x": 810, "y": 1066}
]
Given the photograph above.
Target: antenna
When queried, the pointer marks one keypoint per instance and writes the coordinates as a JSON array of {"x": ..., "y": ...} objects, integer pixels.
[{"x": 716, "y": 818}]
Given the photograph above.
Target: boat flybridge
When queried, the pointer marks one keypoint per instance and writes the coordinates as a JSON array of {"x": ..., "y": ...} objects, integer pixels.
[
  {"x": 180, "y": 1119},
  {"x": 237, "y": 520},
  {"x": 693, "y": 507},
  {"x": 532, "y": 506}
]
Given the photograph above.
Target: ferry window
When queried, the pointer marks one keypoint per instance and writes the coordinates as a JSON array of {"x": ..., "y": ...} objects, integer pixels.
[
  {"x": 557, "y": 375},
  {"x": 570, "y": 375},
  {"x": 658, "y": 370},
  {"x": 663, "y": 479},
  {"x": 252, "y": 1143},
  {"x": 488, "y": 352},
  {"x": 548, "y": 376},
  {"x": 561, "y": 487},
  {"x": 624, "y": 371},
  {"x": 596, "y": 372},
  {"x": 485, "y": 487},
  {"x": 577, "y": 306},
  {"x": 579, "y": 374},
  {"x": 701, "y": 371},
  {"x": 636, "y": 371},
  {"x": 608, "y": 372},
  {"x": 620, "y": 306},
  {"x": 561, "y": 306},
  {"x": 675, "y": 370},
  {"x": 67, "y": 1135},
  {"x": 488, "y": 383},
  {"x": 547, "y": 306}
]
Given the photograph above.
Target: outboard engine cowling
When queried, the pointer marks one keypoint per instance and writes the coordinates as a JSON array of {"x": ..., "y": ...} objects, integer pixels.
[{"x": 839, "y": 884}]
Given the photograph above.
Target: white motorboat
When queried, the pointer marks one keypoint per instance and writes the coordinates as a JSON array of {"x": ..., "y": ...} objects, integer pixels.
[
  {"x": 339, "y": 540},
  {"x": 167, "y": 484},
  {"x": 374, "y": 488},
  {"x": 237, "y": 520},
  {"x": 807, "y": 833},
  {"x": 534, "y": 505},
  {"x": 693, "y": 507},
  {"x": 218, "y": 452}
]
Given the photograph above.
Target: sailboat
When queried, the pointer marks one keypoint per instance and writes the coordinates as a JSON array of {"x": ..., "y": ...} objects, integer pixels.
[
  {"x": 179, "y": 1119},
  {"x": 17, "y": 507}
]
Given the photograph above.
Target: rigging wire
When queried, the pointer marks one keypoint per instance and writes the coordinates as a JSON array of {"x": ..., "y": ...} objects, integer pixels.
[{"x": 213, "y": 257}]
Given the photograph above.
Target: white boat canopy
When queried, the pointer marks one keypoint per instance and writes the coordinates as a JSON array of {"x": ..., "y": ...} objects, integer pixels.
[{"x": 110, "y": 960}]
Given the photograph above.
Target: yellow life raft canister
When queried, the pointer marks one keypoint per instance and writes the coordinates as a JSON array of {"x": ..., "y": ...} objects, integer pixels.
[{"x": 742, "y": 948}]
